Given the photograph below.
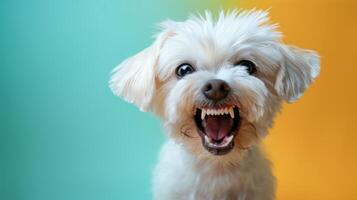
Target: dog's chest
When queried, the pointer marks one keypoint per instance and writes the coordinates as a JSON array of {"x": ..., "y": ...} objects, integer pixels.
[
  {"x": 216, "y": 186},
  {"x": 181, "y": 178}
]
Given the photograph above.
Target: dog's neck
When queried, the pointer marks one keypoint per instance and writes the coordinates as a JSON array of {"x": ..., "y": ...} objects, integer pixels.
[{"x": 236, "y": 160}]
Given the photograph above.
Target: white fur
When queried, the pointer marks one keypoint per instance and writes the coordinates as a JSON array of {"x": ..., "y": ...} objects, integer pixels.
[{"x": 185, "y": 169}]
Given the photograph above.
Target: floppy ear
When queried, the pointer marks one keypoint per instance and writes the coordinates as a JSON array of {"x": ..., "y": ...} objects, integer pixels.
[
  {"x": 298, "y": 69},
  {"x": 134, "y": 78}
]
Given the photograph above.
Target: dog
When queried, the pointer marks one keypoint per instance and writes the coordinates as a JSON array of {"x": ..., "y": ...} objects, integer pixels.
[{"x": 216, "y": 82}]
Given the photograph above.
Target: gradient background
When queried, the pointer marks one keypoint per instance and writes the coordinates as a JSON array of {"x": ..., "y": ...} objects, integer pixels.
[{"x": 63, "y": 135}]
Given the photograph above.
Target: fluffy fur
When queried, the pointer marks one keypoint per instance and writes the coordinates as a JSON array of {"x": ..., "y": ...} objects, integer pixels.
[{"x": 185, "y": 169}]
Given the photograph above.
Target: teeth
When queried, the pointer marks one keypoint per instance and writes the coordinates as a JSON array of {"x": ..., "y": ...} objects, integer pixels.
[
  {"x": 207, "y": 139},
  {"x": 229, "y": 139},
  {"x": 226, "y": 141},
  {"x": 203, "y": 114},
  {"x": 231, "y": 112},
  {"x": 221, "y": 111}
]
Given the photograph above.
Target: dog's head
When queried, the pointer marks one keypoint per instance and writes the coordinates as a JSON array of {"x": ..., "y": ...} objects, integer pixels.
[{"x": 216, "y": 83}]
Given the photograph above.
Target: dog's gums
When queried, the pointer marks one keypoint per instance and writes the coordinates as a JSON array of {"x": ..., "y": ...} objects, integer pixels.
[{"x": 217, "y": 128}]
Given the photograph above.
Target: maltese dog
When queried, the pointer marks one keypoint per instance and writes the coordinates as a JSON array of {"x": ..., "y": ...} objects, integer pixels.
[{"x": 216, "y": 83}]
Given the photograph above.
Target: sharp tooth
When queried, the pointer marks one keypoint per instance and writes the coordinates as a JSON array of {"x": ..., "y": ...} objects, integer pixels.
[
  {"x": 225, "y": 111},
  {"x": 215, "y": 112},
  {"x": 207, "y": 139},
  {"x": 231, "y": 112},
  {"x": 229, "y": 139},
  {"x": 203, "y": 114}
]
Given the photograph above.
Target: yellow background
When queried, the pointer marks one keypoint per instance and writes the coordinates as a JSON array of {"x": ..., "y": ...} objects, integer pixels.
[{"x": 313, "y": 144}]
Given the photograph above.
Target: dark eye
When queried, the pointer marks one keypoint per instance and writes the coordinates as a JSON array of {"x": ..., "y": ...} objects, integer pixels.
[
  {"x": 184, "y": 69},
  {"x": 251, "y": 67}
]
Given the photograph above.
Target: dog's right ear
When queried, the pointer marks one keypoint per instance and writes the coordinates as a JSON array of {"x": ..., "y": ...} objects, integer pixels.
[
  {"x": 299, "y": 67},
  {"x": 134, "y": 78}
]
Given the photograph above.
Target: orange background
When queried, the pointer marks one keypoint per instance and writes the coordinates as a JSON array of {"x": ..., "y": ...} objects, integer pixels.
[{"x": 313, "y": 144}]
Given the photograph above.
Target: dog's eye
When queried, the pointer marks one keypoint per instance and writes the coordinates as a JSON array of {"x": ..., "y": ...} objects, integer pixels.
[
  {"x": 184, "y": 69},
  {"x": 251, "y": 67}
]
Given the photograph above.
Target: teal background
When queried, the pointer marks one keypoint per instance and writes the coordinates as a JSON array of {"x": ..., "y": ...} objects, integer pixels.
[{"x": 63, "y": 134}]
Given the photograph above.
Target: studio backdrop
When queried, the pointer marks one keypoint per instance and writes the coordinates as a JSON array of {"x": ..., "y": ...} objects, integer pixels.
[{"x": 65, "y": 136}]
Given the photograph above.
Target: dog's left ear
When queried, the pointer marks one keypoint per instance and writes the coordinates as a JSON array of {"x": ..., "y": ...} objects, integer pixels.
[
  {"x": 134, "y": 78},
  {"x": 298, "y": 69}
]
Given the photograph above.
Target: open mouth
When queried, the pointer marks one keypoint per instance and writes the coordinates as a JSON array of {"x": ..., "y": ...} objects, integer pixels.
[{"x": 217, "y": 127}]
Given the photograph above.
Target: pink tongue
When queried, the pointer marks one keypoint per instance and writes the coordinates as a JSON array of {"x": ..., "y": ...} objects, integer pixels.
[{"x": 217, "y": 127}]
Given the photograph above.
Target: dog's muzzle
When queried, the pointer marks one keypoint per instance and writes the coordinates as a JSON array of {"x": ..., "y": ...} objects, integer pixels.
[{"x": 217, "y": 124}]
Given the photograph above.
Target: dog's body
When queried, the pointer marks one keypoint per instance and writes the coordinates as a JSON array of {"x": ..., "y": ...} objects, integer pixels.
[
  {"x": 217, "y": 86},
  {"x": 181, "y": 176}
]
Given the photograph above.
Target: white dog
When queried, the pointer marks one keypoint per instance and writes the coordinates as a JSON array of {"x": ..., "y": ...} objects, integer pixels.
[{"x": 217, "y": 85}]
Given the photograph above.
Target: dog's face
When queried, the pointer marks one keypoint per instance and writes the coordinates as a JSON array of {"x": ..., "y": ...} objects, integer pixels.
[{"x": 217, "y": 85}]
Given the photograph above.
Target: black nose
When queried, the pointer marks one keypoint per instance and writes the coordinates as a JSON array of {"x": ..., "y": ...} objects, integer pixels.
[{"x": 216, "y": 89}]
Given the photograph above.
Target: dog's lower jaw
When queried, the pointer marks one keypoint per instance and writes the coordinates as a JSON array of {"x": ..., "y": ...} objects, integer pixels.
[{"x": 180, "y": 175}]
